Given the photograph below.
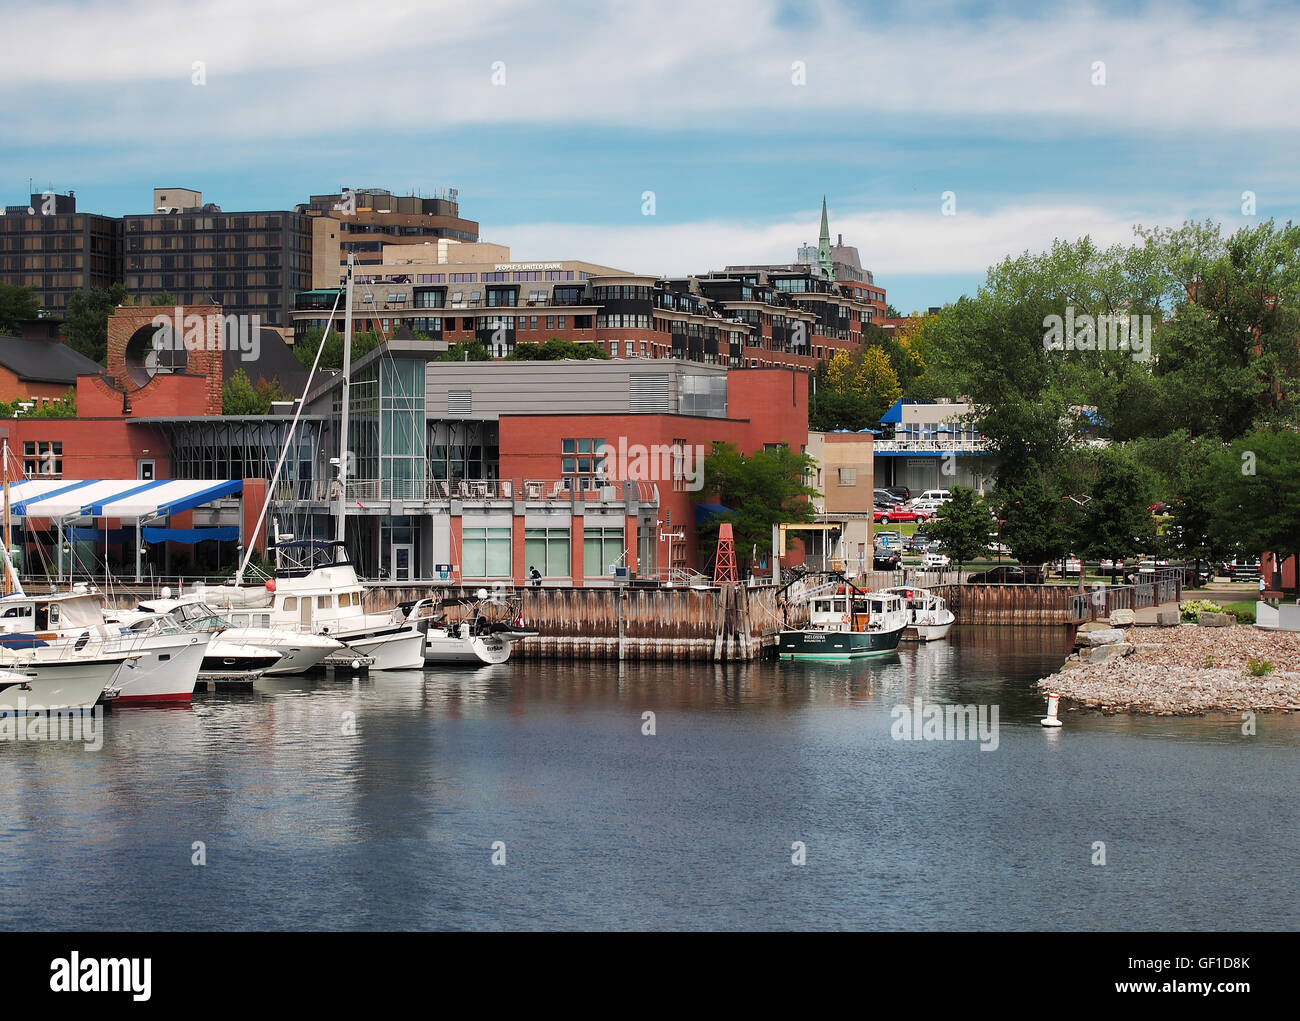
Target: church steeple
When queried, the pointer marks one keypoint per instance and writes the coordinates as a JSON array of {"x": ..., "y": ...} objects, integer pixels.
[{"x": 824, "y": 246}]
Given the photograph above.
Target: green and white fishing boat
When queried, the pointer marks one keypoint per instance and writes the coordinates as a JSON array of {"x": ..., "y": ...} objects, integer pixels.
[{"x": 844, "y": 621}]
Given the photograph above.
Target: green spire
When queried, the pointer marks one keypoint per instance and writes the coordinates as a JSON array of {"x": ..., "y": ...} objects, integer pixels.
[{"x": 824, "y": 246}]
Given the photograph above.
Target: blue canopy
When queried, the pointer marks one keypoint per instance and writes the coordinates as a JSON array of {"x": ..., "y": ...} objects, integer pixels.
[
  {"x": 705, "y": 512},
  {"x": 189, "y": 536}
]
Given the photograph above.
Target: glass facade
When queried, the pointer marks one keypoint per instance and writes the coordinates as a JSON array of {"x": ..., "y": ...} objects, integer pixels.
[
  {"x": 602, "y": 548},
  {"x": 485, "y": 553},
  {"x": 547, "y": 549}
]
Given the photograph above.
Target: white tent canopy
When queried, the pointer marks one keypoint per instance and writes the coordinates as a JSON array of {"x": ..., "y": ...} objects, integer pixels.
[{"x": 126, "y": 499}]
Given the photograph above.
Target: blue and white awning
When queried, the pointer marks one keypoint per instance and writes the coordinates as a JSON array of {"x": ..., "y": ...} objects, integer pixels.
[{"x": 128, "y": 499}]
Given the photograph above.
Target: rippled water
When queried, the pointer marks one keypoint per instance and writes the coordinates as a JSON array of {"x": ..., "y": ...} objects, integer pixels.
[{"x": 308, "y": 826}]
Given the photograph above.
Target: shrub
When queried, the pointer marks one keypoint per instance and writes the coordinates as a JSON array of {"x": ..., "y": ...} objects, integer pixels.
[
  {"x": 1258, "y": 667},
  {"x": 1192, "y": 607}
]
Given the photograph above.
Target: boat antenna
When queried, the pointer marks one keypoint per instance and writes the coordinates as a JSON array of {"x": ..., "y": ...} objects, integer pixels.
[{"x": 288, "y": 441}]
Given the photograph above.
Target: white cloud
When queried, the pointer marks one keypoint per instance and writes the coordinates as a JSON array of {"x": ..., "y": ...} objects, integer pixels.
[
  {"x": 301, "y": 68},
  {"x": 889, "y": 243}
]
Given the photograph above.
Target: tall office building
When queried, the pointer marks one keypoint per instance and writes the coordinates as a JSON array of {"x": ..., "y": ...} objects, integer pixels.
[
  {"x": 249, "y": 263},
  {"x": 56, "y": 251}
]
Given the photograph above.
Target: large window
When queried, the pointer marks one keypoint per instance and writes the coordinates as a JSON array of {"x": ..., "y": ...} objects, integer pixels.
[
  {"x": 547, "y": 549},
  {"x": 43, "y": 457},
  {"x": 602, "y": 548},
  {"x": 582, "y": 466},
  {"x": 485, "y": 553}
]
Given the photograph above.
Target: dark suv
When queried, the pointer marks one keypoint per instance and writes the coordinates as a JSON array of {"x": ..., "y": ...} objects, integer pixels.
[
  {"x": 901, "y": 493},
  {"x": 1007, "y": 574},
  {"x": 885, "y": 559}
]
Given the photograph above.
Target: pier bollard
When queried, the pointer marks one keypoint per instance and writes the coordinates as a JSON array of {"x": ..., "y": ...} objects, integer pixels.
[{"x": 1053, "y": 703}]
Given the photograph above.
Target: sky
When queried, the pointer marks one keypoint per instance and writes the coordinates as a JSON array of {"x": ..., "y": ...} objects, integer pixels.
[{"x": 944, "y": 137}]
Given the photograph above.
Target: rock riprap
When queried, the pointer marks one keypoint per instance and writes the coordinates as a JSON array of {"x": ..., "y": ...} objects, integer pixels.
[{"x": 1179, "y": 670}]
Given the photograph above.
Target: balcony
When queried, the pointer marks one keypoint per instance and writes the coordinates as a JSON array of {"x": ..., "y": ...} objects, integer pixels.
[
  {"x": 941, "y": 444},
  {"x": 442, "y": 491}
]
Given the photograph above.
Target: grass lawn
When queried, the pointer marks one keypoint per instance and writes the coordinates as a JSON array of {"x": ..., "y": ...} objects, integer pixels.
[{"x": 1245, "y": 606}]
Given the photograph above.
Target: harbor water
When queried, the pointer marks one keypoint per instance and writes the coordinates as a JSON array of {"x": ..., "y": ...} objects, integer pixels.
[{"x": 769, "y": 795}]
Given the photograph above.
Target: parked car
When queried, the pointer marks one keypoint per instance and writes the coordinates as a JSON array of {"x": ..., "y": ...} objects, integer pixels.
[
  {"x": 935, "y": 561},
  {"x": 898, "y": 514},
  {"x": 927, "y": 507},
  {"x": 901, "y": 493},
  {"x": 883, "y": 498},
  {"x": 934, "y": 496},
  {"x": 1008, "y": 574},
  {"x": 884, "y": 558},
  {"x": 891, "y": 539}
]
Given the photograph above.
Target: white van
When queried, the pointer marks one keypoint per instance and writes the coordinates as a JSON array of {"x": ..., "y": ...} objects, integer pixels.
[{"x": 933, "y": 496}]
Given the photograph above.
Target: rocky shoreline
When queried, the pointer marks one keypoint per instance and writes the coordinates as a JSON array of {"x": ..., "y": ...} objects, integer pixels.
[{"x": 1171, "y": 671}]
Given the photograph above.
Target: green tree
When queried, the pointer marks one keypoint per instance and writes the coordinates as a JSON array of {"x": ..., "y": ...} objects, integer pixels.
[
  {"x": 1254, "y": 494},
  {"x": 557, "y": 349},
  {"x": 961, "y": 526},
  {"x": 240, "y": 397},
  {"x": 163, "y": 299},
  {"x": 1116, "y": 520},
  {"x": 332, "y": 357},
  {"x": 86, "y": 324},
  {"x": 471, "y": 350},
  {"x": 16, "y": 304},
  {"x": 760, "y": 489},
  {"x": 1033, "y": 517},
  {"x": 891, "y": 312}
]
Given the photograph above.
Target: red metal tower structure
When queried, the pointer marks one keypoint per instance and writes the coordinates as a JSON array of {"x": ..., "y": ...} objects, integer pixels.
[{"x": 724, "y": 568}]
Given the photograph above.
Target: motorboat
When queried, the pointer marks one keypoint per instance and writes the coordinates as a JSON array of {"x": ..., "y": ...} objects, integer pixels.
[
  {"x": 315, "y": 590},
  {"x": 167, "y": 661},
  {"x": 37, "y": 679},
  {"x": 928, "y": 616},
  {"x": 298, "y": 651}
]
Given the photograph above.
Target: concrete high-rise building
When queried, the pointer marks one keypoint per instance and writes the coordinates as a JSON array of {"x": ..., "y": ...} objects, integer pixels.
[{"x": 56, "y": 251}]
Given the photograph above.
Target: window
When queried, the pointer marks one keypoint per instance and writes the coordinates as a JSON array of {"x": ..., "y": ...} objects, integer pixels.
[
  {"x": 547, "y": 549},
  {"x": 43, "y": 457},
  {"x": 485, "y": 553},
  {"x": 586, "y": 471},
  {"x": 290, "y": 604},
  {"x": 322, "y": 602},
  {"x": 550, "y": 322},
  {"x": 848, "y": 476},
  {"x": 602, "y": 548}
]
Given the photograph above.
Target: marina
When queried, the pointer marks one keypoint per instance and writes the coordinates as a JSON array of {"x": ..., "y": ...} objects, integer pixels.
[{"x": 307, "y": 826}]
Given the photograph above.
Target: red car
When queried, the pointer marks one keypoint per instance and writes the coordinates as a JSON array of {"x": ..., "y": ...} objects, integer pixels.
[{"x": 899, "y": 513}]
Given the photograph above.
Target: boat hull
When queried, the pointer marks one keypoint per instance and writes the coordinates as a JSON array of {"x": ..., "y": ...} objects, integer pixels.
[
  {"x": 490, "y": 649},
  {"x": 926, "y": 632},
  {"x": 819, "y": 644},
  {"x": 166, "y": 673},
  {"x": 66, "y": 684},
  {"x": 393, "y": 650}
]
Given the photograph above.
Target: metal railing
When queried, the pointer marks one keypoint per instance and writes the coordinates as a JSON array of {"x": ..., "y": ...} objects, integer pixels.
[{"x": 1103, "y": 600}]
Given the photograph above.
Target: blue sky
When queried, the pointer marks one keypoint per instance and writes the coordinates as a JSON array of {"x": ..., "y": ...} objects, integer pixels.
[{"x": 738, "y": 116}]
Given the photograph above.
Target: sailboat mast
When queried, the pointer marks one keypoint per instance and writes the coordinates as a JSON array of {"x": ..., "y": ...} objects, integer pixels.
[{"x": 344, "y": 453}]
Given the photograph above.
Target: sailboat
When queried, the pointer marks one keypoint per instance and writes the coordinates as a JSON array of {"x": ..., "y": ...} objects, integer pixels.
[
  {"x": 315, "y": 588},
  {"x": 485, "y": 632}
]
